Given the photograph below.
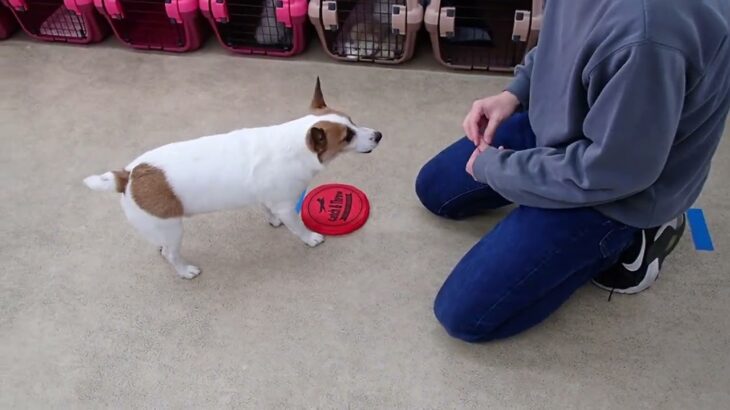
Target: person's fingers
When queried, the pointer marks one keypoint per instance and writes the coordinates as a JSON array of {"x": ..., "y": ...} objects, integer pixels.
[
  {"x": 470, "y": 163},
  {"x": 491, "y": 130},
  {"x": 471, "y": 126},
  {"x": 482, "y": 146},
  {"x": 474, "y": 122}
]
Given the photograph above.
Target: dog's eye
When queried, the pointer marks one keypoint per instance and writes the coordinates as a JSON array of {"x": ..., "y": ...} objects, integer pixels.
[{"x": 349, "y": 135}]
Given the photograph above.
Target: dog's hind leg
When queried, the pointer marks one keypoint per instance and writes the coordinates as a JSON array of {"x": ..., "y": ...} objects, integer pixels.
[
  {"x": 165, "y": 233},
  {"x": 172, "y": 233}
]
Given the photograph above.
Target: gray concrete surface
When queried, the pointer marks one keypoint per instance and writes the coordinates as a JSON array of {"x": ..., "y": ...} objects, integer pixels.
[{"x": 91, "y": 317}]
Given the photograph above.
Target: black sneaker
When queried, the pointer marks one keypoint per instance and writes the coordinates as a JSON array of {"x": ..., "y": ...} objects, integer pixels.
[{"x": 639, "y": 265}]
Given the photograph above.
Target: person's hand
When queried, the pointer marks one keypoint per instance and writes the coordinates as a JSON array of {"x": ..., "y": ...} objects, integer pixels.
[
  {"x": 485, "y": 116},
  {"x": 473, "y": 157},
  {"x": 470, "y": 162}
]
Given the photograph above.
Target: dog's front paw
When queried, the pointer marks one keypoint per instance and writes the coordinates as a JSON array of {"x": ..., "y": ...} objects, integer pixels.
[
  {"x": 273, "y": 221},
  {"x": 313, "y": 239},
  {"x": 188, "y": 271}
]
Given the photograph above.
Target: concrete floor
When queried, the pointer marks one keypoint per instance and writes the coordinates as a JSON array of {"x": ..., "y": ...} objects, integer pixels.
[{"x": 91, "y": 317}]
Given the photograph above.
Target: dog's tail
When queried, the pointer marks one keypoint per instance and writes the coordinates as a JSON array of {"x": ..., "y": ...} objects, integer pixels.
[{"x": 109, "y": 181}]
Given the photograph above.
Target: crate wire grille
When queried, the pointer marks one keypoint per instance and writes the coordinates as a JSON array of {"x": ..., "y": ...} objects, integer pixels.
[
  {"x": 146, "y": 23},
  {"x": 253, "y": 24},
  {"x": 483, "y": 34},
  {"x": 364, "y": 31},
  {"x": 50, "y": 18}
]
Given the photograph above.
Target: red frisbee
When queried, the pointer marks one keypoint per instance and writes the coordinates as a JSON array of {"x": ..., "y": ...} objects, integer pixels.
[{"x": 335, "y": 209}]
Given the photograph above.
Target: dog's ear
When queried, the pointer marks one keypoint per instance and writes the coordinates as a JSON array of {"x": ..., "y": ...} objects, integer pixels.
[
  {"x": 318, "y": 99},
  {"x": 317, "y": 141}
]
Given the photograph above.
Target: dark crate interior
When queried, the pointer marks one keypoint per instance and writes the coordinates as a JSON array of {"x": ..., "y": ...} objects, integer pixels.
[
  {"x": 146, "y": 23},
  {"x": 483, "y": 33},
  {"x": 253, "y": 24}
]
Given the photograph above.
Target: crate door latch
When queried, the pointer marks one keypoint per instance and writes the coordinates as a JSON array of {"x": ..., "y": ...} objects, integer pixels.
[
  {"x": 521, "y": 28},
  {"x": 71, "y": 5},
  {"x": 398, "y": 17},
  {"x": 283, "y": 14},
  {"x": 329, "y": 15},
  {"x": 172, "y": 11},
  {"x": 114, "y": 9},
  {"x": 447, "y": 19},
  {"x": 18, "y": 5},
  {"x": 219, "y": 10}
]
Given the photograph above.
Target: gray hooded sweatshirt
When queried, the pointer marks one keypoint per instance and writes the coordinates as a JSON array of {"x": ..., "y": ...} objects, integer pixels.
[{"x": 628, "y": 100}]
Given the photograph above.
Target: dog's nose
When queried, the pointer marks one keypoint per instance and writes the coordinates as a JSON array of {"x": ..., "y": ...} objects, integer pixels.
[{"x": 378, "y": 136}]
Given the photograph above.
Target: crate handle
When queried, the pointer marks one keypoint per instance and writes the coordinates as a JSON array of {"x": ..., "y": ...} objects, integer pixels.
[
  {"x": 329, "y": 15},
  {"x": 521, "y": 28},
  {"x": 398, "y": 16},
  {"x": 219, "y": 10},
  {"x": 18, "y": 5},
  {"x": 447, "y": 21},
  {"x": 114, "y": 8},
  {"x": 282, "y": 13}
]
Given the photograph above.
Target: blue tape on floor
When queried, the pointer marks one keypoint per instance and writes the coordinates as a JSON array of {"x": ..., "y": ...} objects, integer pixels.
[
  {"x": 301, "y": 199},
  {"x": 700, "y": 232}
]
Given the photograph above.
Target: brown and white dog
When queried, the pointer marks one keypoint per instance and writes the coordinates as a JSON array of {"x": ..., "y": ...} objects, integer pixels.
[{"x": 270, "y": 166}]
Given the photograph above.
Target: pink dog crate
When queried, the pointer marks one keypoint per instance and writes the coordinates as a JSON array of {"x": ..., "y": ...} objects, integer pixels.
[
  {"x": 264, "y": 27},
  {"x": 169, "y": 25},
  {"x": 7, "y": 23},
  {"x": 70, "y": 21}
]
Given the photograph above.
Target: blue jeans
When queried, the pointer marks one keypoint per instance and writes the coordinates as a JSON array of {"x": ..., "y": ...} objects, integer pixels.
[{"x": 529, "y": 264}]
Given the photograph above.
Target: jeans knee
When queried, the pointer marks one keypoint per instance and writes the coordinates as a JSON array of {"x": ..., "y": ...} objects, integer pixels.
[
  {"x": 458, "y": 321},
  {"x": 425, "y": 182}
]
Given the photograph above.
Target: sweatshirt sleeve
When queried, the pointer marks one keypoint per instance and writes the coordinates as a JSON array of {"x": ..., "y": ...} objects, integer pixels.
[
  {"x": 520, "y": 85},
  {"x": 635, "y": 99}
]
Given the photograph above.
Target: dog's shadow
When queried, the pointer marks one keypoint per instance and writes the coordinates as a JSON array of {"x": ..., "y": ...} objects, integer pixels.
[{"x": 241, "y": 243}]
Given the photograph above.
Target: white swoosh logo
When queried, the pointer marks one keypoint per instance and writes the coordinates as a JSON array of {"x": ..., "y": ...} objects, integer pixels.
[
  {"x": 635, "y": 265},
  {"x": 674, "y": 224}
]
